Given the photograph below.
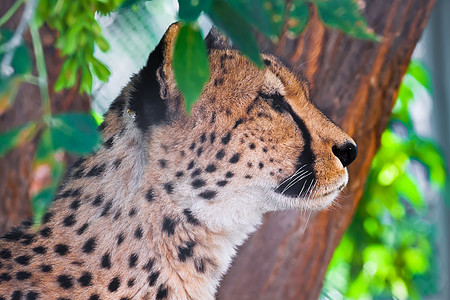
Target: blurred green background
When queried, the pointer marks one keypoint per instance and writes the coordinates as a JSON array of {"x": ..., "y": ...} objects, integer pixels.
[{"x": 396, "y": 247}]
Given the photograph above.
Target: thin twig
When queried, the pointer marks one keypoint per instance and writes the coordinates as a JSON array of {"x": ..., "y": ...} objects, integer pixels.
[
  {"x": 10, "y": 47},
  {"x": 42, "y": 70},
  {"x": 10, "y": 12}
]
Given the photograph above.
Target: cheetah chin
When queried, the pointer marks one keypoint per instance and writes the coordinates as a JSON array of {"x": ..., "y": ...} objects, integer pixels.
[{"x": 158, "y": 211}]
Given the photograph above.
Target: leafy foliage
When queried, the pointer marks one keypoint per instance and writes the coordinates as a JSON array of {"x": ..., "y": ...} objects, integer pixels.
[{"x": 388, "y": 249}]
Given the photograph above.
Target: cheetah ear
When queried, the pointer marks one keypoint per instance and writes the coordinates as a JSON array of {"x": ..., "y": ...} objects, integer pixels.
[
  {"x": 216, "y": 40},
  {"x": 154, "y": 97}
]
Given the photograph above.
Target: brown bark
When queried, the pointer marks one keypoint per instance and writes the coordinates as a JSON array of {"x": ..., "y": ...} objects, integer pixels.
[
  {"x": 355, "y": 83},
  {"x": 16, "y": 167}
]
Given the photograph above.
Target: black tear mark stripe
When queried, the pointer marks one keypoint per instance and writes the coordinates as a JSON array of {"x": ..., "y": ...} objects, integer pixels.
[{"x": 307, "y": 156}]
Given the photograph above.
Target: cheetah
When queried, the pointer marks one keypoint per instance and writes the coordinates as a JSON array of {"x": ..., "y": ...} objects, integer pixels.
[{"x": 158, "y": 210}]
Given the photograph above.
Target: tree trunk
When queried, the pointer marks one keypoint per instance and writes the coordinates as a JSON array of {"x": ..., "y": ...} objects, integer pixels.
[
  {"x": 16, "y": 167},
  {"x": 355, "y": 83}
]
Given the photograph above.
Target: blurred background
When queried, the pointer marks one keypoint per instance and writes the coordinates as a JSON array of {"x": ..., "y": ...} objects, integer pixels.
[{"x": 397, "y": 246}]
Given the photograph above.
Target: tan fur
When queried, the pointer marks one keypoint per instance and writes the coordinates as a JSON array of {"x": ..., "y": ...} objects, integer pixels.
[{"x": 268, "y": 143}]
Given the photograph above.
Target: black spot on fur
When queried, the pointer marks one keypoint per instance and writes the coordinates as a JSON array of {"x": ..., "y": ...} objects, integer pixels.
[
  {"x": 117, "y": 163},
  {"x": 267, "y": 62},
  {"x": 168, "y": 187},
  {"x": 46, "y": 268},
  {"x": 186, "y": 251},
  {"x": 5, "y": 277},
  {"x": 226, "y": 139},
  {"x": 65, "y": 281},
  {"x": 162, "y": 293},
  {"x": 94, "y": 297},
  {"x": 132, "y": 212},
  {"x": 40, "y": 250},
  {"x": 23, "y": 260},
  {"x": 47, "y": 217},
  {"x": 16, "y": 295},
  {"x": 261, "y": 165},
  {"x": 248, "y": 177},
  {"x": 138, "y": 233},
  {"x": 203, "y": 138},
  {"x": 130, "y": 282},
  {"x": 23, "y": 275},
  {"x": 132, "y": 261},
  {"x": 162, "y": 163},
  {"x": 31, "y": 296},
  {"x": 89, "y": 245},
  {"x": 218, "y": 81},
  {"x": 106, "y": 209},
  {"x": 198, "y": 183},
  {"x": 190, "y": 218},
  {"x": 85, "y": 279},
  {"x": 109, "y": 142},
  {"x": 222, "y": 183},
  {"x": 235, "y": 158},
  {"x": 78, "y": 174},
  {"x": 105, "y": 261},
  {"x": 27, "y": 239},
  {"x": 5, "y": 254},
  {"x": 114, "y": 284},
  {"x": 199, "y": 151},
  {"x": 264, "y": 149},
  {"x": 238, "y": 122},
  {"x": 61, "y": 249},
  {"x": 220, "y": 154},
  {"x": 192, "y": 146},
  {"x": 14, "y": 234},
  {"x": 169, "y": 225},
  {"x": 96, "y": 170},
  {"x": 102, "y": 126},
  {"x": 179, "y": 174},
  {"x": 152, "y": 278},
  {"x": 199, "y": 265},
  {"x": 229, "y": 174},
  {"x": 191, "y": 165},
  {"x": 196, "y": 172},
  {"x": 213, "y": 117},
  {"x": 210, "y": 168},
  {"x": 252, "y": 146},
  {"x": 75, "y": 204},
  {"x": 69, "y": 220},
  {"x": 208, "y": 194},
  {"x": 82, "y": 229},
  {"x": 212, "y": 137},
  {"x": 149, "y": 265},
  {"x": 120, "y": 238},
  {"x": 98, "y": 200},
  {"x": 45, "y": 232},
  {"x": 149, "y": 195}
]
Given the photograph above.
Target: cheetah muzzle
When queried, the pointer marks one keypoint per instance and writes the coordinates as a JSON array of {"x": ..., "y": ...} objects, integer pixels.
[{"x": 159, "y": 209}]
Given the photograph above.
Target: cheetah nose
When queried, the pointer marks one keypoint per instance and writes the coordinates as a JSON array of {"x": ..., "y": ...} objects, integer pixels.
[{"x": 346, "y": 153}]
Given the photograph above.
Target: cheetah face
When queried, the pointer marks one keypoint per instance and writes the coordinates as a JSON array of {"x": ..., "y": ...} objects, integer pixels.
[{"x": 253, "y": 141}]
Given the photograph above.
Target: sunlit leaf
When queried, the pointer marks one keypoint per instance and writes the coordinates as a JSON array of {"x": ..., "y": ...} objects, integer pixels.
[
  {"x": 298, "y": 17},
  {"x": 237, "y": 28},
  {"x": 265, "y": 15},
  {"x": 190, "y": 63},
  {"x": 189, "y": 10},
  {"x": 17, "y": 136},
  {"x": 420, "y": 72},
  {"x": 74, "y": 132},
  {"x": 345, "y": 16}
]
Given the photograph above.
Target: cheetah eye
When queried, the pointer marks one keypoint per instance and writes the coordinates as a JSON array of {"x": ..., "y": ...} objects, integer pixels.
[{"x": 276, "y": 101}]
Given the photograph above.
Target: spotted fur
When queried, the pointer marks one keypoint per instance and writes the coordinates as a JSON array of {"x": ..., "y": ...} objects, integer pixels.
[{"x": 158, "y": 211}]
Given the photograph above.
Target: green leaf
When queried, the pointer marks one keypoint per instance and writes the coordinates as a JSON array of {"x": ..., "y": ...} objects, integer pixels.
[
  {"x": 21, "y": 62},
  {"x": 420, "y": 72},
  {"x": 16, "y": 137},
  {"x": 298, "y": 17},
  {"x": 74, "y": 132},
  {"x": 265, "y": 15},
  {"x": 345, "y": 16},
  {"x": 190, "y": 9},
  {"x": 237, "y": 28},
  {"x": 41, "y": 201},
  {"x": 190, "y": 63},
  {"x": 128, "y": 4},
  {"x": 100, "y": 70}
]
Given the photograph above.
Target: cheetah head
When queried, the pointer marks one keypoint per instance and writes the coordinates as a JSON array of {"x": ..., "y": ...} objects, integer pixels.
[{"x": 253, "y": 142}]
